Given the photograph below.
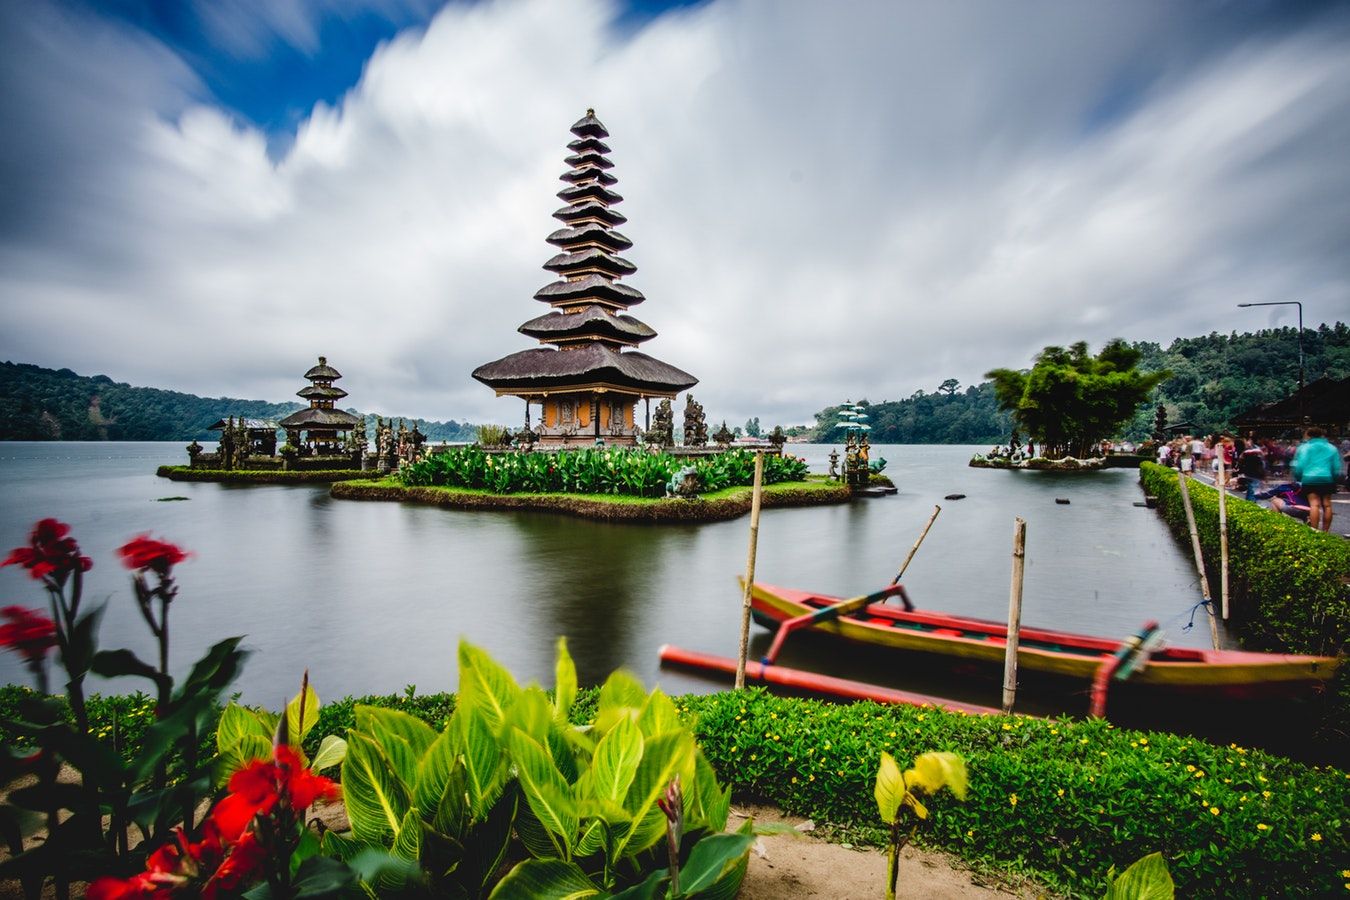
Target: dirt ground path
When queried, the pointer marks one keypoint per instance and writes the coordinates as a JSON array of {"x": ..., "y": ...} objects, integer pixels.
[{"x": 787, "y": 867}]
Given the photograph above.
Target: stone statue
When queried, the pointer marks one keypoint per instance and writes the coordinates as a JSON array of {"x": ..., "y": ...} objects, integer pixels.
[
  {"x": 684, "y": 483},
  {"x": 723, "y": 437},
  {"x": 778, "y": 438},
  {"x": 358, "y": 440},
  {"x": 1160, "y": 423},
  {"x": 695, "y": 426},
  {"x": 662, "y": 433},
  {"x": 194, "y": 450},
  {"x": 834, "y": 464},
  {"x": 227, "y": 444}
]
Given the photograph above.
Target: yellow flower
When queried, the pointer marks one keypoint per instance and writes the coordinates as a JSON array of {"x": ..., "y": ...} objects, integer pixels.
[
  {"x": 1262, "y": 826},
  {"x": 1213, "y": 810},
  {"x": 970, "y": 833},
  {"x": 1054, "y": 731},
  {"x": 1059, "y": 793},
  {"x": 1190, "y": 768},
  {"x": 1316, "y": 836},
  {"x": 1143, "y": 740},
  {"x": 1007, "y": 727},
  {"x": 1012, "y": 799},
  {"x": 1082, "y": 740}
]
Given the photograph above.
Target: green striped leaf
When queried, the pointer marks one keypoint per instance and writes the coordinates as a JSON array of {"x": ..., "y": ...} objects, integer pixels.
[
  {"x": 237, "y": 721},
  {"x": 658, "y": 715},
  {"x": 564, "y": 683},
  {"x": 616, "y": 761},
  {"x": 663, "y": 758},
  {"x": 377, "y": 799},
  {"x": 375, "y": 719},
  {"x": 301, "y": 715},
  {"x": 332, "y": 751},
  {"x": 545, "y": 879},
  {"x": 408, "y": 838},
  {"x": 546, "y": 791},
  {"x": 485, "y": 686}
]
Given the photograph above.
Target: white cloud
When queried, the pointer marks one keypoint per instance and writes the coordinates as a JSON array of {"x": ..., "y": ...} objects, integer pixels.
[{"x": 823, "y": 204}]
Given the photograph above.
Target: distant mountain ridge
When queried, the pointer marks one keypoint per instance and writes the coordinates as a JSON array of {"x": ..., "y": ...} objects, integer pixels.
[{"x": 38, "y": 404}]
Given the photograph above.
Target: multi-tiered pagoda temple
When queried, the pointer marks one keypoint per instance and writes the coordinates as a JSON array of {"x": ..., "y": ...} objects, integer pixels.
[
  {"x": 325, "y": 428},
  {"x": 588, "y": 383}
]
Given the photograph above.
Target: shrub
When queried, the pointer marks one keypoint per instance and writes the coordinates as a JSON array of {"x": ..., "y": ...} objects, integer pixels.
[{"x": 1288, "y": 583}]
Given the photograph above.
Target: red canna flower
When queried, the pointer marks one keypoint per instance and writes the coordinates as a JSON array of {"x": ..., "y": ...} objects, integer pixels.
[
  {"x": 27, "y": 632},
  {"x": 144, "y": 552},
  {"x": 50, "y": 553},
  {"x": 145, "y": 886},
  {"x": 244, "y": 863}
]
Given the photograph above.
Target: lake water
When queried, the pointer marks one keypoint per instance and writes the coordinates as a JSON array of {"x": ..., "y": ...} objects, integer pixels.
[{"x": 374, "y": 596}]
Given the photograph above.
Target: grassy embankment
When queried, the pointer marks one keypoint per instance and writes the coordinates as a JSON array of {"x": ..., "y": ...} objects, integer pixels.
[
  {"x": 713, "y": 506},
  {"x": 258, "y": 476}
]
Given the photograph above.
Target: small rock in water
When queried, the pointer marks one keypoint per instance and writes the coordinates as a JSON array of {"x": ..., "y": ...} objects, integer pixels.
[
  {"x": 167, "y": 499},
  {"x": 954, "y": 497},
  {"x": 1062, "y": 501}
]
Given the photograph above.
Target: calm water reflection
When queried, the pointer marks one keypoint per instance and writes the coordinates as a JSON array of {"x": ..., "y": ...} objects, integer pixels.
[{"x": 374, "y": 596}]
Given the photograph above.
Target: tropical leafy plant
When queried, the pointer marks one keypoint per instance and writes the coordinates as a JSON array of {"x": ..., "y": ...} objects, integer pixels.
[
  {"x": 1147, "y": 878},
  {"x": 638, "y": 473},
  {"x": 898, "y": 792},
  {"x": 591, "y": 805}
]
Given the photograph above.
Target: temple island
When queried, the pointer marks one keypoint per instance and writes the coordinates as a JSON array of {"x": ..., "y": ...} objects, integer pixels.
[{"x": 586, "y": 388}]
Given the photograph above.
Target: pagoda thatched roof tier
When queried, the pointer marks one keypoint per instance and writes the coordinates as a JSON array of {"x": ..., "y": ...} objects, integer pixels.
[
  {"x": 323, "y": 371},
  {"x": 581, "y": 211},
  {"x": 587, "y": 174},
  {"x": 589, "y": 287},
  {"x": 589, "y": 233},
  {"x": 321, "y": 392},
  {"x": 320, "y": 418},
  {"x": 589, "y": 126},
  {"x": 589, "y": 144},
  {"x": 250, "y": 424},
  {"x": 589, "y": 158},
  {"x": 545, "y": 369},
  {"x": 591, "y": 321},
  {"x": 578, "y": 193},
  {"x": 587, "y": 260}
]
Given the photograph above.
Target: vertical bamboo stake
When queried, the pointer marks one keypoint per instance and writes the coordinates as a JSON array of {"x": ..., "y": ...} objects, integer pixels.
[
  {"x": 1014, "y": 615},
  {"x": 750, "y": 569},
  {"x": 1199, "y": 560},
  {"x": 915, "y": 548},
  {"x": 1223, "y": 536}
]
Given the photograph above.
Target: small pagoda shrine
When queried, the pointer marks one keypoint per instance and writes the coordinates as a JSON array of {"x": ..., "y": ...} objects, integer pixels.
[
  {"x": 588, "y": 383},
  {"x": 325, "y": 429}
]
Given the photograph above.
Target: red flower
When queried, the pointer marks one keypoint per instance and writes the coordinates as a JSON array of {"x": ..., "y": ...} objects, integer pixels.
[
  {"x": 260, "y": 785},
  {"x": 244, "y": 863},
  {"x": 145, "y": 886},
  {"x": 144, "y": 552},
  {"x": 49, "y": 553},
  {"x": 28, "y": 632}
]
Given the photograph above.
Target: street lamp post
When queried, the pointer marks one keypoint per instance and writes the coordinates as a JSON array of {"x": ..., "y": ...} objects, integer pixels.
[{"x": 1300, "y": 345}]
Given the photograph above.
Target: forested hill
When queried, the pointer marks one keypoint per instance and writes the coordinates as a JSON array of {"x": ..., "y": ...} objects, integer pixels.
[
  {"x": 38, "y": 404},
  {"x": 1214, "y": 378}
]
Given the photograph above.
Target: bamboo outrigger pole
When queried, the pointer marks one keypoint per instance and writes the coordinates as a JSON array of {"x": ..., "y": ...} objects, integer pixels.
[
  {"x": 1199, "y": 560},
  {"x": 1223, "y": 535},
  {"x": 915, "y": 549},
  {"x": 1014, "y": 614},
  {"x": 750, "y": 569}
]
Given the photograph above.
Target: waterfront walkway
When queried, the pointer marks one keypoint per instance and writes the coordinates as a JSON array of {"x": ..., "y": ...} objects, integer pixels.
[{"x": 1340, "y": 503}]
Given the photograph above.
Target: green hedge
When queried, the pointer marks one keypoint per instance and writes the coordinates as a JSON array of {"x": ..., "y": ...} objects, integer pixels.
[
  {"x": 1289, "y": 585},
  {"x": 1058, "y": 800}
]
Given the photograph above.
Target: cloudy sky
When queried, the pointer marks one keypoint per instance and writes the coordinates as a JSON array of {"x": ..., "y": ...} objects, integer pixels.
[{"x": 827, "y": 200}]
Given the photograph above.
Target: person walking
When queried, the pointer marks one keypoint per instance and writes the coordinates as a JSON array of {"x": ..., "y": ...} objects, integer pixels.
[
  {"x": 1251, "y": 466},
  {"x": 1316, "y": 465}
]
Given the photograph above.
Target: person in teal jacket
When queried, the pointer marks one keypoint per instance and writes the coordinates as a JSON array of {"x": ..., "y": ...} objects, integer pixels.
[{"x": 1315, "y": 466}]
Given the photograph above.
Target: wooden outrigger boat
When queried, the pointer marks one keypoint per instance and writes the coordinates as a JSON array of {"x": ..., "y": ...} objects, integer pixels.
[{"x": 1226, "y": 673}]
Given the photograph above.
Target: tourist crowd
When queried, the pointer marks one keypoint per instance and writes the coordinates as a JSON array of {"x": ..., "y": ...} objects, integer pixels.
[{"x": 1304, "y": 474}]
